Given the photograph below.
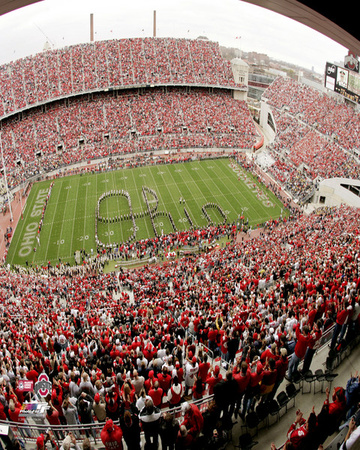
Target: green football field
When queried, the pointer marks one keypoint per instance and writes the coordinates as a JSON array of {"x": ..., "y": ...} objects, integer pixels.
[{"x": 119, "y": 205}]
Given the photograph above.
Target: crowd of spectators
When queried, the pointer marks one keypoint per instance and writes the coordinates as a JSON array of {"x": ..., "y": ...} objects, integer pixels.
[
  {"x": 119, "y": 340},
  {"x": 126, "y": 123},
  {"x": 315, "y": 137},
  {"x": 312, "y": 128},
  {"x": 121, "y": 346},
  {"x": 100, "y": 65}
]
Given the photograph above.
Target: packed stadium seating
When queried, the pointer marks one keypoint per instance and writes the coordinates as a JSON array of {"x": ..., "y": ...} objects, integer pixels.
[
  {"x": 89, "y": 67},
  {"x": 316, "y": 135},
  {"x": 253, "y": 293},
  {"x": 109, "y": 125},
  {"x": 110, "y": 335}
]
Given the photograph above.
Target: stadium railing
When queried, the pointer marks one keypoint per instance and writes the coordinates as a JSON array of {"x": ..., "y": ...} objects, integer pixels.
[{"x": 29, "y": 431}]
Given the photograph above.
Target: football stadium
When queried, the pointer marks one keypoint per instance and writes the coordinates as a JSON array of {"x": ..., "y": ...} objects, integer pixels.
[{"x": 175, "y": 272}]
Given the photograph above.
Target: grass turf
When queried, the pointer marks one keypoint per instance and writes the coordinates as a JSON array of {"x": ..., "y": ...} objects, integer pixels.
[{"x": 70, "y": 213}]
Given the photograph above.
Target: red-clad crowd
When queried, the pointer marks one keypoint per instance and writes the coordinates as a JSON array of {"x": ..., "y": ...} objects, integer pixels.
[
  {"x": 134, "y": 341},
  {"x": 88, "y": 67},
  {"x": 315, "y": 137},
  {"x": 118, "y": 347},
  {"x": 108, "y": 126}
]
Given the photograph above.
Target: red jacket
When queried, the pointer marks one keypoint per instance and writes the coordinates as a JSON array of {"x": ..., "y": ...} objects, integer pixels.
[
  {"x": 111, "y": 436},
  {"x": 156, "y": 395},
  {"x": 296, "y": 435},
  {"x": 268, "y": 354},
  {"x": 193, "y": 420},
  {"x": 256, "y": 378},
  {"x": 164, "y": 381},
  {"x": 175, "y": 394},
  {"x": 269, "y": 377},
  {"x": 213, "y": 381},
  {"x": 14, "y": 415},
  {"x": 302, "y": 343},
  {"x": 203, "y": 370},
  {"x": 242, "y": 380},
  {"x": 212, "y": 335},
  {"x": 314, "y": 338},
  {"x": 342, "y": 316},
  {"x": 281, "y": 366}
]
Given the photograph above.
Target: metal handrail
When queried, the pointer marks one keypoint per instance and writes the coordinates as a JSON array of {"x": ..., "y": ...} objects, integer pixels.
[{"x": 29, "y": 432}]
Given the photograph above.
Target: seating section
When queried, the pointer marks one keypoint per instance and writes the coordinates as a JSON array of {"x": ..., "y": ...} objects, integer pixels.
[
  {"x": 244, "y": 303},
  {"x": 111, "y": 64},
  {"x": 150, "y": 318},
  {"x": 317, "y": 137},
  {"x": 128, "y": 122}
]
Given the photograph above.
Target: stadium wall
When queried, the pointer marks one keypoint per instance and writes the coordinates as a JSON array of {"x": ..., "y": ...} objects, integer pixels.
[
  {"x": 331, "y": 192},
  {"x": 267, "y": 121},
  {"x": 240, "y": 70}
]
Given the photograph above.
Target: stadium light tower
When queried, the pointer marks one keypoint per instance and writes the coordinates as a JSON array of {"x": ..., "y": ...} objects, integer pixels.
[{"x": 5, "y": 178}]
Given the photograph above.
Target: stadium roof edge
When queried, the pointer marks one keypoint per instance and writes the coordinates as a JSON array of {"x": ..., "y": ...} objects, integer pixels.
[{"x": 7, "y": 6}]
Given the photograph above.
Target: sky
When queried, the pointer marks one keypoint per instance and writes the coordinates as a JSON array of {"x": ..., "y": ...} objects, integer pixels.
[{"x": 232, "y": 23}]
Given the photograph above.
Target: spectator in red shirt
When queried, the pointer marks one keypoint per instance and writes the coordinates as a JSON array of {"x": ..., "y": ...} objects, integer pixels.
[
  {"x": 241, "y": 374},
  {"x": 175, "y": 393},
  {"x": 14, "y": 411},
  {"x": 254, "y": 385},
  {"x": 213, "y": 379},
  {"x": 42, "y": 440},
  {"x": 314, "y": 343},
  {"x": 156, "y": 394},
  {"x": 31, "y": 374},
  {"x": 149, "y": 383},
  {"x": 179, "y": 372},
  {"x": 281, "y": 366},
  {"x": 204, "y": 367},
  {"x": 14, "y": 415},
  {"x": 269, "y": 379},
  {"x": 212, "y": 335},
  {"x": 299, "y": 430},
  {"x": 111, "y": 436},
  {"x": 52, "y": 416},
  {"x": 164, "y": 379},
  {"x": 301, "y": 346},
  {"x": 270, "y": 352},
  {"x": 337, "y": 407},
  {"x": 193, "y": 420},
  {"x": 198, "y": 389},
  {"x": 341, "y": 324}
]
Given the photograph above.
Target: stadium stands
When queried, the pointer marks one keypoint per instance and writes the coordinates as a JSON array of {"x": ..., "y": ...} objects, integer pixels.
[
  {"x": 111, "y": 339},
  {"x": 315, "y": 138},
  {"x": 112, "y": 64},
  {"x": 133, "y": 123},
  {"x": 251, "y": 293}
]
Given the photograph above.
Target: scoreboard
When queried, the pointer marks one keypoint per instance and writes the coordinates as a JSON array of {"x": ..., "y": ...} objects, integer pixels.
[{"x": 343, "y": 81}]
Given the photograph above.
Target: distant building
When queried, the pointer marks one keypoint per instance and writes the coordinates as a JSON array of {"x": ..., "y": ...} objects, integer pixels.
[
  {"x": 259, "y": 59},
  {"x": 241, "y": 75},
  {"x": 258, "y": 83}
]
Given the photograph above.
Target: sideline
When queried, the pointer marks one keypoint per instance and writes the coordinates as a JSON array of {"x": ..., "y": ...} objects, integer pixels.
[{"x": 5, "y": 221}]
